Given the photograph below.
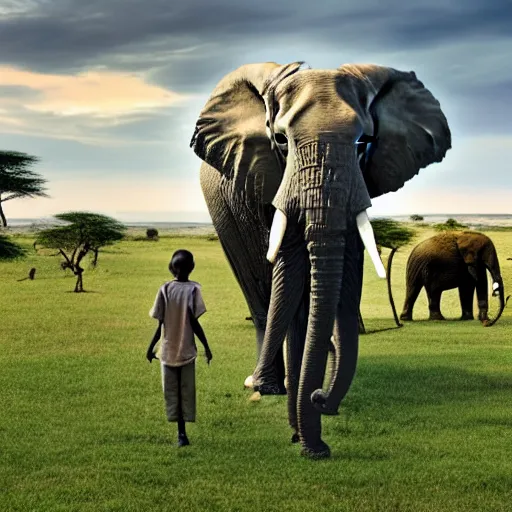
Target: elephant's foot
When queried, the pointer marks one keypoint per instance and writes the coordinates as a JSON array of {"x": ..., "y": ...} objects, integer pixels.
[
  {"x": 467, "y": 316},
  {"x": 436, "y": 315},
  {"x": 295, "y": 438},
  {"x": 482, "y": 316},
  {"x": 317, "y": 451},
  {"x": 406, "y": 317},
  {"x": 270, "y": 388}
]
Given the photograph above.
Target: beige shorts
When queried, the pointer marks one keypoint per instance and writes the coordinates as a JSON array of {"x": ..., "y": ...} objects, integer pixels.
[{"x": 180, "y": 382}]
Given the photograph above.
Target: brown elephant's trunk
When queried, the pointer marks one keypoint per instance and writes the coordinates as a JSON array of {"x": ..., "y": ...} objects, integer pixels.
[
  {"x": 492, "y": 264},
  {"x": 503, "y": 302}
]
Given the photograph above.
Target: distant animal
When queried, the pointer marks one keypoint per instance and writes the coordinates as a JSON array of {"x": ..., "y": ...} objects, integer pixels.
[
  {"x": 454, "y": 260},
  {"x": 31, "y": 275}
]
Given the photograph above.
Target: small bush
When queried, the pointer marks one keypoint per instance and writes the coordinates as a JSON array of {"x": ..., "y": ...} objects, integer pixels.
[
  {"x": 416, "y": 218},
  {"x": 449, "y": 225},
  {"x": 152, "y": 234}
]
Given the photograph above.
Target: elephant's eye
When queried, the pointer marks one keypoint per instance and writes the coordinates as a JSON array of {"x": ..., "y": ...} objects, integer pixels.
[{"x": 281, "y": 139}]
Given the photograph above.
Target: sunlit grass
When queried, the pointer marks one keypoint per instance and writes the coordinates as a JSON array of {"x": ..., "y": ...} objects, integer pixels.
[{"x": 427, "y": 424}]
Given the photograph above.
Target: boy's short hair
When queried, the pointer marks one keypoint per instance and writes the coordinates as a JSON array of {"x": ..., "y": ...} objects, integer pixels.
[{"x": 182, "y": 263}]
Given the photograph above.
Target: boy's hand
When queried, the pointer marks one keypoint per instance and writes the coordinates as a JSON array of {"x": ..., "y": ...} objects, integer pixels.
[
  {"x": 150, "y": 355},
  {"x": 208, "y": 355}
]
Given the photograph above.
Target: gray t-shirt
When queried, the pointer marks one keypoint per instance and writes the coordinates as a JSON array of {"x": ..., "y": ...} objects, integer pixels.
[{"x": 173, "y": 303}]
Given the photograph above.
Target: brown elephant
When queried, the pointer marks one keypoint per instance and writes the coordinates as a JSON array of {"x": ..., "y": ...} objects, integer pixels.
[{"x": 454, "y": 260}]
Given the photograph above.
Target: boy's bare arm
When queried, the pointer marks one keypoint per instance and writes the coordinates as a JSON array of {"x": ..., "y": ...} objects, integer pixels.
[
  {"x": 198, "y": 331},
  {"x": 150, "y": 355}
]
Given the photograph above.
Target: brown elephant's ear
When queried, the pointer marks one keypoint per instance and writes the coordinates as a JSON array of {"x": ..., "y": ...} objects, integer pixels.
[
  {"x": 230, "y": 133},
  {"x": 467, "y": 246},
  {"x": 410, "y": 130}
]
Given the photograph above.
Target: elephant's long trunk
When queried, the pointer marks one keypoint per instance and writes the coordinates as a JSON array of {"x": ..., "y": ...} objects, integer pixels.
[
  {"x": 326, "y": 186},
  {"x": 346, "y": 329},
  {"x": 326, "y": 277},
  {"x": 503, "y": 302},
  {"x": 493, "y": 265}
]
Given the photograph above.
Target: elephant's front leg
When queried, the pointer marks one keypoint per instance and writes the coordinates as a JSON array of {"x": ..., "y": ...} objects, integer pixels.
[
  {"x": 482, "y": 291},
  {"x": 466, "y": 295},
  {"x": 288, "y": 281},
  {"x": 294, "y": 351}
]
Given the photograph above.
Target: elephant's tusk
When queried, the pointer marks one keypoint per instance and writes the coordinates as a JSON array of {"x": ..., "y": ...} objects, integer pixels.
[
  {"x": 368, "y": 238},
  {"x": 276, "y": 235}
]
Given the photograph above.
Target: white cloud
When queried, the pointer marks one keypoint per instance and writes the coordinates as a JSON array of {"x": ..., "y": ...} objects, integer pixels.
[{"x": 78, "y": 107}]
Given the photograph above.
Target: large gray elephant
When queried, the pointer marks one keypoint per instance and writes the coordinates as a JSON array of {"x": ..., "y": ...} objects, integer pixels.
[
  {"x": 454, "y": 260},
  {"x": 292, "y": 157}
]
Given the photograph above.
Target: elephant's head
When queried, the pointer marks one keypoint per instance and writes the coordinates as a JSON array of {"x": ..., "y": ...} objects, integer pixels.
[
  {"x": 318, "y": 145},
  {"x": 479, "y": 254}
]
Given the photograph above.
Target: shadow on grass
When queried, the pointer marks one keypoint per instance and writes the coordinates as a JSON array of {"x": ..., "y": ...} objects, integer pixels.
[
  {"x": 408, "y": 380},
  {"x": 83, "y": 291},
  {"x": 114, "y": 251}
]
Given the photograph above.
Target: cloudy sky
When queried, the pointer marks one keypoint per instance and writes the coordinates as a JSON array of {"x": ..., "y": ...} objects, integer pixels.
[{"x": 107, "y": 92}]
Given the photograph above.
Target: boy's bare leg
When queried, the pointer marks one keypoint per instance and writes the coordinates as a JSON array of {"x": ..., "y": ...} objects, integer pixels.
[{"x": 182, "y": 434}]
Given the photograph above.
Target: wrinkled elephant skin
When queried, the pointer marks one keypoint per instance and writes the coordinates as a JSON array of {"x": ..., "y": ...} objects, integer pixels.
[{"x": 285, "y": 178}]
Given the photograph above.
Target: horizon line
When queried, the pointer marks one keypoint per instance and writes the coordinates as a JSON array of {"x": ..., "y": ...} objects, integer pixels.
[{"x": 197, "y": 222}]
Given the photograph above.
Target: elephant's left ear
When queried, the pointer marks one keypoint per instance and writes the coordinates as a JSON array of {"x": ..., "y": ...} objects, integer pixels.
[
  {"x": 231, "y": 135},
  {"x": 410, "y": 130}
]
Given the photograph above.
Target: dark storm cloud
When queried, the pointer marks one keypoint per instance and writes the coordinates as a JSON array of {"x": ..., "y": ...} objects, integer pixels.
[
  {"x": 67, "y": 34},
  {"x": 460, "y": 51},
  {"x": 485, "y": 109}
]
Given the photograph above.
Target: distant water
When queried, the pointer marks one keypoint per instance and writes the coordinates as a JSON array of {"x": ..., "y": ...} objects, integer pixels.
[
  {"x": 44, "y": 221},
  {"x": 473, "y": 220}
]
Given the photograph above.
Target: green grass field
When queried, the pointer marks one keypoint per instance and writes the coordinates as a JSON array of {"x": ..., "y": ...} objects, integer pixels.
[{"x": 426, "y": 426}]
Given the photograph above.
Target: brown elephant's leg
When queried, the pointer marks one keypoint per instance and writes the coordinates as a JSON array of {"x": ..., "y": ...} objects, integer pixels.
[
  {"x": 482, "y": 291},
  {"x": 412, "y": 292},
  {"x": 466, "y": 294},
  {"x": 434, "y": 303}
]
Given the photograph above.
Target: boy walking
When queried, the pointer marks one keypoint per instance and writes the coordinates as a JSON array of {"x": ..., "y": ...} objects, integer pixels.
[{"x": 177, "y": 307}]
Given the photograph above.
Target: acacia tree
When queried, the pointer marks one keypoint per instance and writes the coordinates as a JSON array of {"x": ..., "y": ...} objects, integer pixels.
[
  {"x": 82, "y": 234},
  {"x": 391, "y": 234},
  {"x": 17, "y": 180}
]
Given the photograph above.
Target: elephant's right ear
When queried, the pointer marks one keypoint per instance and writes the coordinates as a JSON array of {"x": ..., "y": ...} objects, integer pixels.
[
  {"x": 230, "y": 133},
  {"x": 407, "y": 128}
]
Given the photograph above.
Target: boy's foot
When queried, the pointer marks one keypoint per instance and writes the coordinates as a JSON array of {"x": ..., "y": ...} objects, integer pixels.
[{"x": 183, "y": 440}]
